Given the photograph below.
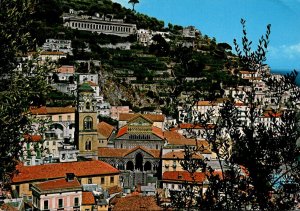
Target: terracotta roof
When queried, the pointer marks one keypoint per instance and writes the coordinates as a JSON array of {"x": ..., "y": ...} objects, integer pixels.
[
  {"x": 92, "y": 83},
  {"x": 123, "y": 130},
  {"x": 114, "y": 152},
  {"x": 114, "y": 189},
  {"x": 59, "y": 170},
  {"x": 52, "y": 53},
  {"x": 135, "y": 203},
  {"x": 57, "y": 184},
  {"x": 179, "y": 155},
  {"x": 193, "y": 126},
  {"x": 51, "y": 110},
  {"x": 105, "y": 129},
  {"x": 205, "y": 103},
  {"x": 155, "y": 130},
  {"x": 271, "y": 114},
  {"x": 152, "y": 117},
  {"x": 247, "y": 72},
  {"x": 66, "y": 69},
  {"x": 88, "y": 198},
  {"x": 8, "y": 207},
  {"x": 33, "y": 138},
  {"x": 111, "y": 152},
  {"x": 180, "y": 176},
  {"x": 175, "y": 138}
]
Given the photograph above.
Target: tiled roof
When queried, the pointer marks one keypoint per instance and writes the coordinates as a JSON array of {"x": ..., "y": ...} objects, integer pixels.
[
  {"x": 92, "y": 83},
  {"x": 205, "y": 103},
  {"x": 52, "y": 53},
  {"x": 179, "y": 155},
  {"x": 174, "y": 138},
  {"x": 271, "y": 114},
  {"x": 105, "y": 129},
  {"x": 152, "y": 117},
  {"x": 193, "y": 126},
  {"x": 180, "y": 176},
  {"x": 111, "y": 152},
  {"x": 114, "y": 189},
  {"x": 51, "y": 110},
  {"x": 66, "y": 69},
  {"x": 136, "y": 202},
  {"x": 33, "y": 138},
  {"x": 155, "y": 130},
  {"x": 122, "y": 131},
  {"x": 58, "y": 184},
  {"x": 114, "y": 152},
  {"x": 88, "y": 198},
  {"x": 59, "y": 170}
]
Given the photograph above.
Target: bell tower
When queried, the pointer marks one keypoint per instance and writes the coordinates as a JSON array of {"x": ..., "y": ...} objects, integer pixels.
[{"x": 87, "y": 121}]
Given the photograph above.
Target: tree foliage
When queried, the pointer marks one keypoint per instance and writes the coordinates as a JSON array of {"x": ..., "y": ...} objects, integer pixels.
[
  {"x": 259, "y": 162},
  {"x": 23, "y": 82}
]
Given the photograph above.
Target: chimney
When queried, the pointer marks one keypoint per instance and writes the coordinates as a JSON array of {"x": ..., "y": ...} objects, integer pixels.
[{"x": 70, "y": 177}]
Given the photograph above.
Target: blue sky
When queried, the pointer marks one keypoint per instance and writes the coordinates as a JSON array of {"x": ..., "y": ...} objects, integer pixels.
[{"x": 221, "y": 19}]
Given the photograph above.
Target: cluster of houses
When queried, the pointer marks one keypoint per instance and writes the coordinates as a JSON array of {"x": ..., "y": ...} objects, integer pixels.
[{"x": 81, "y": 163}]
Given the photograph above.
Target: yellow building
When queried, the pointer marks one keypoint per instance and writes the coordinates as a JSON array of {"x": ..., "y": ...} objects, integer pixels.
[
  {"x": 87, "y": 172},
  {"x": 87, "y": 122}
]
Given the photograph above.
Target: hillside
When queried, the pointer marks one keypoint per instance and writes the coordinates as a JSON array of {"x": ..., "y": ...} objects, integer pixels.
[{"x": 144, "y": 77}]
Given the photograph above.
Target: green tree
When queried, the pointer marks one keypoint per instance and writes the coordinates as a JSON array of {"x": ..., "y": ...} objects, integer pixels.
[
  {"x": 23, "y": 83},
  {"x": 259, "y": 163},
  {"x": 133, "y": 2}
]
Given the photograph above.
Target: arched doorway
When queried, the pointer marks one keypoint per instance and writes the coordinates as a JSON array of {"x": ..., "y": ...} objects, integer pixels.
[
  {"x": 139, "y": 162},
  {"x": 148, "y": 166},
  {"x": 129, "y": 166}
]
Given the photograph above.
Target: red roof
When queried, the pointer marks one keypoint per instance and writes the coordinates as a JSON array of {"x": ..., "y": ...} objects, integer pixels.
[
  {"x": 114, "y": 189},
  {"x": 152, "y": 117},
  {"x": 122, "y": 131},
  {"x": 180, "y": 176},
  {"x": 66, "y": 69},
  {"x": 179, "y": 155},
  {"x": 32, "y": 138},
  {"x": 59, "y": 170},
  {"x": 194, "y": 126},
  {"x": 105, "y": 129},
  {"x": 88, "y": 198},
  {"x": 136, "y": 202},
  {"x": 58, "y": 184},
  {"x": 51, "y": 110}
]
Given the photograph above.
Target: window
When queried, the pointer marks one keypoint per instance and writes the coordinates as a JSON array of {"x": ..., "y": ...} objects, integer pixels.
[
  {"x": 46, "y": 205},
  {"x": 76, "y": 201},
  {"x": 102, "y": 180},
  {"x": 69, "y": 117},
  {"x": 88, "y": 123},
  {"x": 90, "y": 181},
  {"x": 88, "y": 106},
  {"x": 112, "y": 179},
  {"x": 60, "y": 203},
  {"x": 88, "y": 145},
  {"x": 60, "y": 118}
]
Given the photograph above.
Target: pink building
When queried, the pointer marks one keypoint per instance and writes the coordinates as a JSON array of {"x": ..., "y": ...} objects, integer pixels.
[{"x": 60, "y": 194}]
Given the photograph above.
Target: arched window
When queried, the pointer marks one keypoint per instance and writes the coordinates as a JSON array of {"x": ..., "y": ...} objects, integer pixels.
[
  {"x": 88, "y": 145},
  {"x": 88, "y": 106},
  {"x": 88, "y": 123}
]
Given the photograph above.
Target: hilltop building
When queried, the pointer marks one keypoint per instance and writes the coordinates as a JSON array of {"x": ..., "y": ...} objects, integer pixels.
[{"x": 105, "y": 25}]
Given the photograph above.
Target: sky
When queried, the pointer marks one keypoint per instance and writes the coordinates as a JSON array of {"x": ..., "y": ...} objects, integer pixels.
[{"x": 221, "y": 19}]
